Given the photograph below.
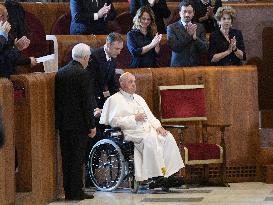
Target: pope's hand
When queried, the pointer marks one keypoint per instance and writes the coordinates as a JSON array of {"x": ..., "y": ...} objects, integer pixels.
[
  {"x": 162, "y": 131},
  {"x": 140, "y": 117}
]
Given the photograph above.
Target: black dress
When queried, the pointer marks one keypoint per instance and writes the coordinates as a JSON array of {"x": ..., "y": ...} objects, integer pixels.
[
  {"x": 201, "y": 10},
  {"x": 219, "y": 44},
  {"x": 135, "y": 41}
]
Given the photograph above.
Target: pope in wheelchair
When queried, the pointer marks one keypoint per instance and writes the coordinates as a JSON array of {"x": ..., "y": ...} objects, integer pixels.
[{"x": 154, "y": 153}]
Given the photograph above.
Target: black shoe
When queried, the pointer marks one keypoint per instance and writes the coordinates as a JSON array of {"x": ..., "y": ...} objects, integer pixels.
[
  {"x": 88, "y": 196},
  {"x": 174, "y": 181},
  {"x": 157, "y": 182},
  {"x": 79, "y": 198}
]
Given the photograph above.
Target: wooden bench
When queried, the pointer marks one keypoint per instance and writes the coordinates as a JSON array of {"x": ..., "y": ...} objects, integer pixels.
[
  {"x": 7, "y": 157},
  {"x": 63, "y": 45}
]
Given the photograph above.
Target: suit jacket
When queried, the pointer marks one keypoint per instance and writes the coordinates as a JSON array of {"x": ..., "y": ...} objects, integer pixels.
[
  {"x": 200, "y": 10},
  {"x": 82, "y": 17},
  {"x": 74, "y": 99},
  {"x": 102, "y": 74},
  {"x": 185, "y": 50},
  {"x": 10, "y": 57},
  {"x": 160, "y": 10}
]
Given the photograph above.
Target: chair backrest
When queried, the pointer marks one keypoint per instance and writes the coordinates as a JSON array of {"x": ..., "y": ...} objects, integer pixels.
[
  {"x": 62, "y": 25},
  {"x": 125, "y": 21},
  {"x": 182, "y": 103}
]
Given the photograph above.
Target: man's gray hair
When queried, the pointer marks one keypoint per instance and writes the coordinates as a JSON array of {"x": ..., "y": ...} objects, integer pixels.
[
  {"x": 112, "y": 37},
  {"x": 80, "y": 51}
]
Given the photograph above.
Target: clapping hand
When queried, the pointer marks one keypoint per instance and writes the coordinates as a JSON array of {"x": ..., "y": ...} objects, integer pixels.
[
  {"x": 210, "y": 11},
  {"x": 156, "y": 40},
  {"x": 233, "y": 43},
  {"x": 104, "y": 10},
  {"x": 191, "y": 29},
  {"x": 22, "y": 43},
  {"x": 5, "y": 26}
]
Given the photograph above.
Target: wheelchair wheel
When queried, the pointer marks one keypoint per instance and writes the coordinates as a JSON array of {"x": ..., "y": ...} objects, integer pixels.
[{"x": 106, "y": 165}]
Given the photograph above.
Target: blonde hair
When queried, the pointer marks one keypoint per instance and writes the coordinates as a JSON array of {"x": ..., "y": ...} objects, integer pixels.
[
  {"x": 152, "y": 29},
  {"x": 225, "y": 10}
]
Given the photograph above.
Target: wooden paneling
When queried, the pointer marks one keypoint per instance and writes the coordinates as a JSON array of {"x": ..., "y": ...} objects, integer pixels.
[
  {"x": 7, "y": 157},
  {"x": 239, "y": 95},
  {"x": 39, "y": 138}
]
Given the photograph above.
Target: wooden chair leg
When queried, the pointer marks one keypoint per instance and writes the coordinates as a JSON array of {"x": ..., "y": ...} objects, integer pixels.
[{"x": 223, "y": 175}]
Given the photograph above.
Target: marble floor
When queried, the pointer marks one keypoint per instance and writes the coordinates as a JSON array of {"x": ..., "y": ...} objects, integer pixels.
[{"x": 248, "y": 193}]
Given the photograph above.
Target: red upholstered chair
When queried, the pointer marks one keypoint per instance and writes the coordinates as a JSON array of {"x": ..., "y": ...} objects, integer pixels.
[{"x": 186, "y": 103}]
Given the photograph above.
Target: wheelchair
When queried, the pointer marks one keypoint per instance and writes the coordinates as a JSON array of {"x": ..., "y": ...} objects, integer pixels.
[{"x": 111, "y": 162}]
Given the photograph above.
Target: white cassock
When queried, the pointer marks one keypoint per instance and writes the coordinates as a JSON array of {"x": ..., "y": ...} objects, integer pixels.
[{"x": 154, "y": 154}]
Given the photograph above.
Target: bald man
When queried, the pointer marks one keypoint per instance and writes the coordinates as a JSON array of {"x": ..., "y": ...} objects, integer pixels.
[{"x": 156, "y": 153}]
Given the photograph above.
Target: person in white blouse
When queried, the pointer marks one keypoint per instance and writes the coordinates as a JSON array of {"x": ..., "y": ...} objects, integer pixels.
[{"x": 156, "y": 153}]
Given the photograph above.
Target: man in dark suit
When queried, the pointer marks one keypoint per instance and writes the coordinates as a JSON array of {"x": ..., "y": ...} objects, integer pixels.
[
  {"x": 91, "y": 16},
  {"x": 74, "y": 105},
  {"x": 10, "y": 48},
  {"x": 186, "y": 39},
  {"x": 102, "y": 66}
]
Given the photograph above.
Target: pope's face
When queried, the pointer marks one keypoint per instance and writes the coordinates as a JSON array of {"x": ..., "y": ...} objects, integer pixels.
[{"x": 129, "y": 85}]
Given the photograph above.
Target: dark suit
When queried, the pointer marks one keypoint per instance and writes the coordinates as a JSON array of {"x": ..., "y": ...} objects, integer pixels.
[
  {"x": 102, "y": 73},
  {"x": 185, "y": 50},
  {"x": 82, "y": 17},
  {"x": 74, "y": 105},
  {"x": 200, "y": 10},
  {"x": 160, "y": 10},
  {"x": 10, "y": 57}
]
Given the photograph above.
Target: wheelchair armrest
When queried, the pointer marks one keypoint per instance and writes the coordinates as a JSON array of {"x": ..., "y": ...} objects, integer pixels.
[
  {"x": 112, "y": 129},
  {"x": 113, "y": 132}
]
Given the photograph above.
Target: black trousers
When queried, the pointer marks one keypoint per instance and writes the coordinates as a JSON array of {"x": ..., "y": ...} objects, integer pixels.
[
  {"x": 90, "y": 143},
  {"x": 73, "y": 148}
]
